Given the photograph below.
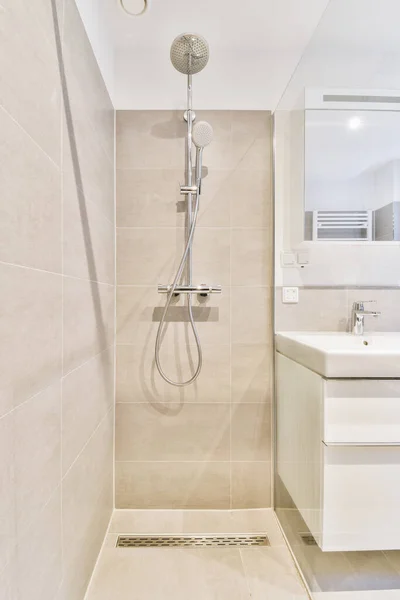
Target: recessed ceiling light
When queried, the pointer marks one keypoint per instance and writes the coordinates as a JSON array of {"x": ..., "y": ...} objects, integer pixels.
[
  {"x": 355, "y": 123},
  {"x": 134, "y": 8}
]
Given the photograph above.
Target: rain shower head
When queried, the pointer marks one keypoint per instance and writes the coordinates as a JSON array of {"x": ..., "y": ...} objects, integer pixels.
[
  {"x": 202, "y": 134},
  {"x": 189, "y": 53}
]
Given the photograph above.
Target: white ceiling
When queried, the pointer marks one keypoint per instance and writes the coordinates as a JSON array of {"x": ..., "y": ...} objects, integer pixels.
[
  {"x": 255, "y": 46},
  {"x": 356, "y": 45}
]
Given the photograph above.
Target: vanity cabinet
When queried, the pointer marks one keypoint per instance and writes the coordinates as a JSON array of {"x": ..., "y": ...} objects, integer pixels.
[{"x": 338, "y": 455}]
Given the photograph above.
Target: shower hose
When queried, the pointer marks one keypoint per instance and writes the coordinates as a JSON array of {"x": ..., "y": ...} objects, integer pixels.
[{"x": 189, "y": 306}]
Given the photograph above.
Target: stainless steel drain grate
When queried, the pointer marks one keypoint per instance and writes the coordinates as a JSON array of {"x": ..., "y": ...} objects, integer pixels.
[
  {"x": 136, "y": 541},
  {"x": 308, "y": 539}
]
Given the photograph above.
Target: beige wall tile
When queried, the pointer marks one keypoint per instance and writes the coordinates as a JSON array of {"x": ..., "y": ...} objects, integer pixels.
[
  {"x": 317, "y": 310},
  {"x": 252, "y": 372},
  {"x": 30, "y": 81},
  {"x": 150, "y": 198},
  {"x": 86, "y": 89},
  {"x": 30, "y": 305},
  {"x": 139, "y": 311},
  {"x": 251, "y": 484},
  {"x": 251, "y": 198},
  {"x": 211, "y": 256},
  {"x": 251, "y": 257},
  {"x": 215, "y": 201},
  {"x": 172, "y": 485},
  {"x": 175, "y": 433},
  {"x": 150, "y": 139},
  {"x": 87, "y": 398},
  {"x": 251, "y": 432},
  {"x": 88, "y": 320},
  {"x": 37, "y": 439},
  {"x": 251, "y": 315},
  {"x": 8, "y": 507},
  {"x": 138, "y": 380},
  {"x": 39, "y": 554},
  {"x": 86, "y": 166},
  {"x": 235, "y": 195},
  {"x": 87, "y": 507},
  {"x": 88, "y": 238},
  {"x": 148, "y": 256},
  {"x": 30, "y": 201}
]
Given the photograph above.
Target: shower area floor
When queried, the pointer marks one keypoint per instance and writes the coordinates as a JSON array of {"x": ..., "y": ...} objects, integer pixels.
[{"x": 195, "y": 573}]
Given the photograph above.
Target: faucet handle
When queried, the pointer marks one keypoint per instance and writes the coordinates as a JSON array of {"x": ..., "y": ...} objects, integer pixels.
[{"x": 359, "y": 304}]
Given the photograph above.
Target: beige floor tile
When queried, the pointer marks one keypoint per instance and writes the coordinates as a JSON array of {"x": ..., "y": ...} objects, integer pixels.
[
  {"x": 271, "y": 574},
  {"x": 153, "y": 573}
]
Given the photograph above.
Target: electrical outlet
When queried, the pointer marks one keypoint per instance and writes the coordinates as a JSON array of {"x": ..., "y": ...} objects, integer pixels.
[{"x": 290, "y": 295}]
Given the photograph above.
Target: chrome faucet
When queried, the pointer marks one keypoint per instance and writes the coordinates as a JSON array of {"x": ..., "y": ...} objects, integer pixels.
[{"x": 358, "y": 314}]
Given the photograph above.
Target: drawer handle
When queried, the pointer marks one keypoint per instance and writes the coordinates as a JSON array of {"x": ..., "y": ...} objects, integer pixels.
[{"x": 361, "y": 444}]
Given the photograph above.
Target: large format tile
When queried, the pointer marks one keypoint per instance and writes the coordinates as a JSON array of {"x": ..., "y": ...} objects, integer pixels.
[
  {"x": 252, "y": 372},
  {"x": 172, "y": 484},
  {"x": 87, "y": 91},
  {"x": 251, "y": 257},
  {"x": 30, "y": 201},
  {"x": 251, "y": 315},
  {"x": 88, "y": 317},
  {"x": 37, "y": 454},
  {"x": 8, "y": 520},
  {"x": 251, "y": 432},
  {"x": 251, "y": 198},
  {"x": 214, "y": 574},
  {"x": 251, "y": 484},
  {"x": 150, "y": 139},
  {"x": 86, "y": 510},
  {"x": 317, "y": 310},
  {"x": 148, "y": 256},
  {"x": 211, "y": 256},
  {"x": 30, "y": 330},
  {"x": 137, "y": 378},
  {"x": 87, "y": 396},
  {"x": 30, "y": 84},
  {"x": 88, "y": 237},
  {"x": 139, "y": 311},
  {"x": 179, "y": 432},
  {"x": 39, "y": 554},
  {"x": 150, "y": 198},
  {"x": 270, "y": 573}
]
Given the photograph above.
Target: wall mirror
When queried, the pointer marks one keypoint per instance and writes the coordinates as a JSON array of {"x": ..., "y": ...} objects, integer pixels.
[{"x": 352, "y": 175}]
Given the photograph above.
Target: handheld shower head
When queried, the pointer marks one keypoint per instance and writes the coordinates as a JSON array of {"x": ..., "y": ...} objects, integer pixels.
[
  {"x": 189, "y": 53},
  {"x": 202, "y": 134},
  {"x": 201, "y": 137}
]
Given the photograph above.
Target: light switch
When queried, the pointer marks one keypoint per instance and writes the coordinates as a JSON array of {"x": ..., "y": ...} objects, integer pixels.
[
  {"x": 288, "y": 259},
  {"x": 303, "y": 257},
  {"x": 290, "y": 295}
]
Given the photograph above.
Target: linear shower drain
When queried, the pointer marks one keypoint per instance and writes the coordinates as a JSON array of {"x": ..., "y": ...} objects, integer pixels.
[{"x": 185, "y": 541}]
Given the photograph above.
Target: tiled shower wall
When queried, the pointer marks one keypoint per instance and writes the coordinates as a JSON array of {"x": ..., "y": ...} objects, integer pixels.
[
  {"x": 207, "y": 445},
  {"x": 56, "y": 302}
]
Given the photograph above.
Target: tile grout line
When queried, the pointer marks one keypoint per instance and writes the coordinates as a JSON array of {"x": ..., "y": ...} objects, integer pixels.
[
  {"x": 115, "y": 315},
  {"x": 59, "y": 274}
]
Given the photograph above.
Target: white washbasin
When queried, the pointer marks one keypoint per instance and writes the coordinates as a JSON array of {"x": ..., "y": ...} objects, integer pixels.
[{"x": 343, "y": 354}]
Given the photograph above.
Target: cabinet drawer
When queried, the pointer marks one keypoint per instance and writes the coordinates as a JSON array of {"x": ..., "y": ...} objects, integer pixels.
[
  {"x": 361, "y": 411},
  {"x": 361, "y": 498}
]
